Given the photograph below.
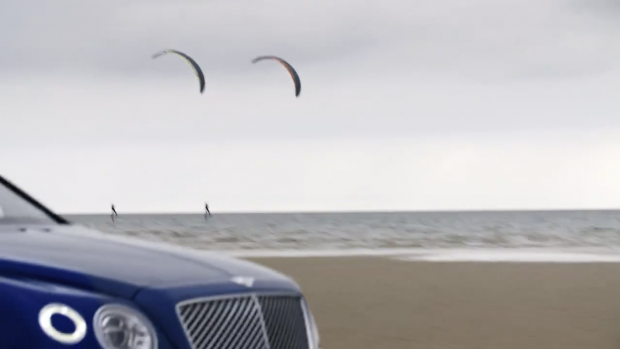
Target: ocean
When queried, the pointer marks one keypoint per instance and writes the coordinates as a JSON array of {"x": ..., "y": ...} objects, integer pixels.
[{"x": 338, "y": 231}]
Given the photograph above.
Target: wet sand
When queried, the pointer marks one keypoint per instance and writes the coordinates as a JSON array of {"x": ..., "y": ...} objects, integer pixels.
[{"x": 375, "y": 302}]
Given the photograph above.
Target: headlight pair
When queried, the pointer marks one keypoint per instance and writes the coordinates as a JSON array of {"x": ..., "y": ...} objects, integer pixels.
[{"x": 116, "y": 327}]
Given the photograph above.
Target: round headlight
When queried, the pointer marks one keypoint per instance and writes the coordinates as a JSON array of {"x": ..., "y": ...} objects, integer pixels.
[{"x": 120, "y": 327}]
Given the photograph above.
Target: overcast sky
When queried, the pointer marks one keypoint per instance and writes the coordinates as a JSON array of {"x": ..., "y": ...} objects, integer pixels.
[{"x": 405, "y": 105}]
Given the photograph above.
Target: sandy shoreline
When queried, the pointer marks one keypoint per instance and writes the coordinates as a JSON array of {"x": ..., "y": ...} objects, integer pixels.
[{"x": 375, "y": 302}]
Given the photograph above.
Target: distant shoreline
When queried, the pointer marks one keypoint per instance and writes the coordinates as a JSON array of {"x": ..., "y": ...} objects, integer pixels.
[
  {"x": 337, "y": 231},
  {"x": 182, "y": 213}
]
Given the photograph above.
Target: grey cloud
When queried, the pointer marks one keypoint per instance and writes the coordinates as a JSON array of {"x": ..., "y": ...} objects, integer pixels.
[
  {"x": 602, "y": 8},
  {"x": 394, "y": 68},
  {"x": 499, "y": 40},
  {"x": 121, "y": 36},
  {"x": 481, "y": 39},
  {"x": 337, "y": 112}
]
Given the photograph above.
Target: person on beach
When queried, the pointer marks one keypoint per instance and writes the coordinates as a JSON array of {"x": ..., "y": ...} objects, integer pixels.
[
  {"x": 207, "y": 210},
  {"x": 113, "y": 213}
]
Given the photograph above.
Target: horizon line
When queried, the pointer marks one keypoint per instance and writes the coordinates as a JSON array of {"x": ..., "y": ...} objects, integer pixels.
[{"x": 134, "y": 213}]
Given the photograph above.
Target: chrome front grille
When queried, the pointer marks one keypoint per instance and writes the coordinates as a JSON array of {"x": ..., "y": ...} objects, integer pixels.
[{"x": 245, "y": 322}]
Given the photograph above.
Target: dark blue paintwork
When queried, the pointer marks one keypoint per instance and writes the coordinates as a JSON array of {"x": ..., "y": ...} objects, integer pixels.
[{"x": 85, "y": 269}]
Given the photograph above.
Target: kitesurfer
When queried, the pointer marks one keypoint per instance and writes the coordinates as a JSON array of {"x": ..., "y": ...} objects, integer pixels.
[
  {"x": 207, "y": 212},
  {"x": 114, "y": 214}
]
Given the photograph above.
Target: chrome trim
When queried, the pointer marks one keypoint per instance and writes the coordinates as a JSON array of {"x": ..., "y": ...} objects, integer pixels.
[
  {"x": 309, "y": 332},
  {"x": 235, "y": 295},
  {"x": 254, "y": 296},
  {"x": 45, "y": 322}
]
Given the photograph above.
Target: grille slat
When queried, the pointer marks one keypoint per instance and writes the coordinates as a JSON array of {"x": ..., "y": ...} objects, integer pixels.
[
  {"x": 192, "y": 313},
  {"x": 224, "y": 326},
  {"x": 208, "y": 336},
  {"x": 232, "y": 340},
  {"x": 254, "y": 340},
  {"x": 225, "y": 340},
  {"x": 285, "y": 322},
  {"x": 245, "y": 322},
  {"x": 208, "y": 325},
  {"x": 195, "y": 320}
]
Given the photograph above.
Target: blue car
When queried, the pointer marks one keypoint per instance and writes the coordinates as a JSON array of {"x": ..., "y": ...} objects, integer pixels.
[{"x": 65, "y": 286}]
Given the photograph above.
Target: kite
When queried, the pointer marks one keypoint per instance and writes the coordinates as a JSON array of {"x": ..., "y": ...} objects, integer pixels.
[
  {"x": 288, "y": 67},
  {"x": 190, "y": 61}
]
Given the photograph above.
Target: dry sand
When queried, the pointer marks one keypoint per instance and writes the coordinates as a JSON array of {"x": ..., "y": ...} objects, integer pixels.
[{"x": 378, "y": 303}]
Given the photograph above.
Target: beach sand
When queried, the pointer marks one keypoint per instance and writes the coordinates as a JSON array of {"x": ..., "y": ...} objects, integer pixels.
[{"x": 379, "y": 303}]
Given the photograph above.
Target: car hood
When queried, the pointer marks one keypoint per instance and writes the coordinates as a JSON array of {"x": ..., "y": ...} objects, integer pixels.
[{"x": 120, "y": 266}]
